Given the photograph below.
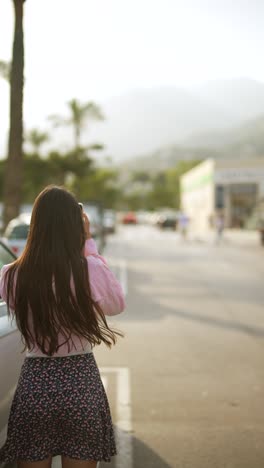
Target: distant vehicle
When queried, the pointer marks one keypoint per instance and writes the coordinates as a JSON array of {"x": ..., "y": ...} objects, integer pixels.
[
  {"x": 143, "y": 216},
  {"x": 129, "y": 218},
  {"x": 152, "y": 218},
  {"x": 96, "y": 216},
  {"x": 109, "y": 221},
  {"x": 167, "y": 220},
  {"x": 16, "y": 233},
  {"x": 6, "y": 256}
]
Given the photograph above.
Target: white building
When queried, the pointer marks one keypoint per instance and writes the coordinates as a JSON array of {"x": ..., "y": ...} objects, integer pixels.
[{"x": 228, "y": 187}]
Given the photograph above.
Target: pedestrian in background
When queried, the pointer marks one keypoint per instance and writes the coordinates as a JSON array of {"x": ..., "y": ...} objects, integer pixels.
[
  {"x": 183, "y": 223},
  {"x": 219, "y": 226},
  {"x": 59, "y": 291}
]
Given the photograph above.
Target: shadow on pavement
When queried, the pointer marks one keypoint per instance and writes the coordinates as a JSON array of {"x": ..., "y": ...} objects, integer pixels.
[
  {"x": 142, "y": 457},
  {"x": 142, "y": 307}
]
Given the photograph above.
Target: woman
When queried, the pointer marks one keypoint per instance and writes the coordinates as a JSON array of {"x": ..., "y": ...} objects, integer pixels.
[{"x": 59, "y": 291}]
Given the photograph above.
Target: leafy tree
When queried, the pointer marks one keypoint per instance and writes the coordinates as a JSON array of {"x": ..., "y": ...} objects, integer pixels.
[
  {"x": 14, "y": 164},
  {"x": 159, "y": 190},
  {"x": 160, "y": 195},
  {"x": 36, "y": 176},
  {"x": 133, "y": 201},
  {"x": 140, "y": 176},
  {"x": 101, "y": 185},
  {"x": 66, "y": 168},
  {"x": 57, "y": 168},
  {"x": 36, "y": 139}
]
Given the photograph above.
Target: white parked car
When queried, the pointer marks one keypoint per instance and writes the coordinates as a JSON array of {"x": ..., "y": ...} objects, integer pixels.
[
  {"x": 15, "y": 235},
  {"x": 6, "y": 256},
  {"x": 10, "y": 351}
]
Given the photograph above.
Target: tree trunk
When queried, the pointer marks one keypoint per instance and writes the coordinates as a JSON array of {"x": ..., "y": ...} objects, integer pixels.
[
  {"x": 14, "y": 163},
  {"x": 77, "y": 134}
]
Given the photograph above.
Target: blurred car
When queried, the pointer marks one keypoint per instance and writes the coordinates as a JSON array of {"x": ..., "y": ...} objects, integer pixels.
[
  {"x": 129, "y": 218},
  {"x": 167, "y": 220},
  {"x": 95, "y": 215},
  {"x": 6, "y": 256},
  {"x": 16, "y": 233},
  {"x": 152, "y": 218},
  {"x": 109, "y": 221},
  {"x": 10, "y": 351}
]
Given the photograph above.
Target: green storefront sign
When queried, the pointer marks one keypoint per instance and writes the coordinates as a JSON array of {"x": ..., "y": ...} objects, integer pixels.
[{"x": 201, "y": 181}]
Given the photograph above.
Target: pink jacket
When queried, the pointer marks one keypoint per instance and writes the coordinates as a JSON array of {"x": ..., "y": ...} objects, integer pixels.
[{"x": 105, "y": 290}]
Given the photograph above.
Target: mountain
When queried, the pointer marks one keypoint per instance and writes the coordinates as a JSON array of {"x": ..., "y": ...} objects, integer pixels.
[
  {"x": 166, "y": 157},
  {"x": 243, "y": 141},
  {"x": 142, "y": 121},
  {"x": 242, "y": 98},
  {"x": 145, "y": 120}
]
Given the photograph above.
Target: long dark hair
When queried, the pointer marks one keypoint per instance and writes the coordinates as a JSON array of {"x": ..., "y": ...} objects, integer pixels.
[{"x": 52, "y": 258}]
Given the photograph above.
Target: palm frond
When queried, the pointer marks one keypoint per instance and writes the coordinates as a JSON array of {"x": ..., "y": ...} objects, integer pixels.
[{"x": 58, "y": 121}]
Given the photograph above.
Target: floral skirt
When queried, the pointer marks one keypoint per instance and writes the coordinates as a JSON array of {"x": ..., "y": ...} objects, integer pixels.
[{"x": 59, "y": 408}]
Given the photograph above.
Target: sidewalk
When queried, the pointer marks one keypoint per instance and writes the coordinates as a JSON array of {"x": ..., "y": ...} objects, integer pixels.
[{"x": 239, "y": 237}]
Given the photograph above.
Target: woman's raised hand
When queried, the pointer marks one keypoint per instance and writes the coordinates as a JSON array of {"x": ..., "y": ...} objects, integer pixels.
[{"x": 86, "y": 224}]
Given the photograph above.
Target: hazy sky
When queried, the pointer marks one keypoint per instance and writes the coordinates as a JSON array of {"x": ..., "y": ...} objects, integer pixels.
[{"x": 94, "y": 49}]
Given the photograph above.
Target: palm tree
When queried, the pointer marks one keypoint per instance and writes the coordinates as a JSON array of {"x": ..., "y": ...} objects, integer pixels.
[
  {"x": 36, "y": 139},
  {"x": 79, "y": 115},
  {"x": 13, "y": 170}
]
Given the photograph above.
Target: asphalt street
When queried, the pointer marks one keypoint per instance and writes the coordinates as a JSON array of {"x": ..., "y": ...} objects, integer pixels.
[{"x": 186, "y": 383}]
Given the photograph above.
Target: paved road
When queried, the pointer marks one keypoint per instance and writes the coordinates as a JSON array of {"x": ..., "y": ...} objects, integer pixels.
[{"x": 191, "y": 362}]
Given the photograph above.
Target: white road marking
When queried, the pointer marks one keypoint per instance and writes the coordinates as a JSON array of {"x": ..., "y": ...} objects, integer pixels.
[
  {"x": 123, "y": 421},
  {"x": 105, "y": 382}
]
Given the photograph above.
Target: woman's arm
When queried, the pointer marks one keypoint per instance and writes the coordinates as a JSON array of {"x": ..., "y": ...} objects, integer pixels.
[{"x": 105, "y": 288}]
